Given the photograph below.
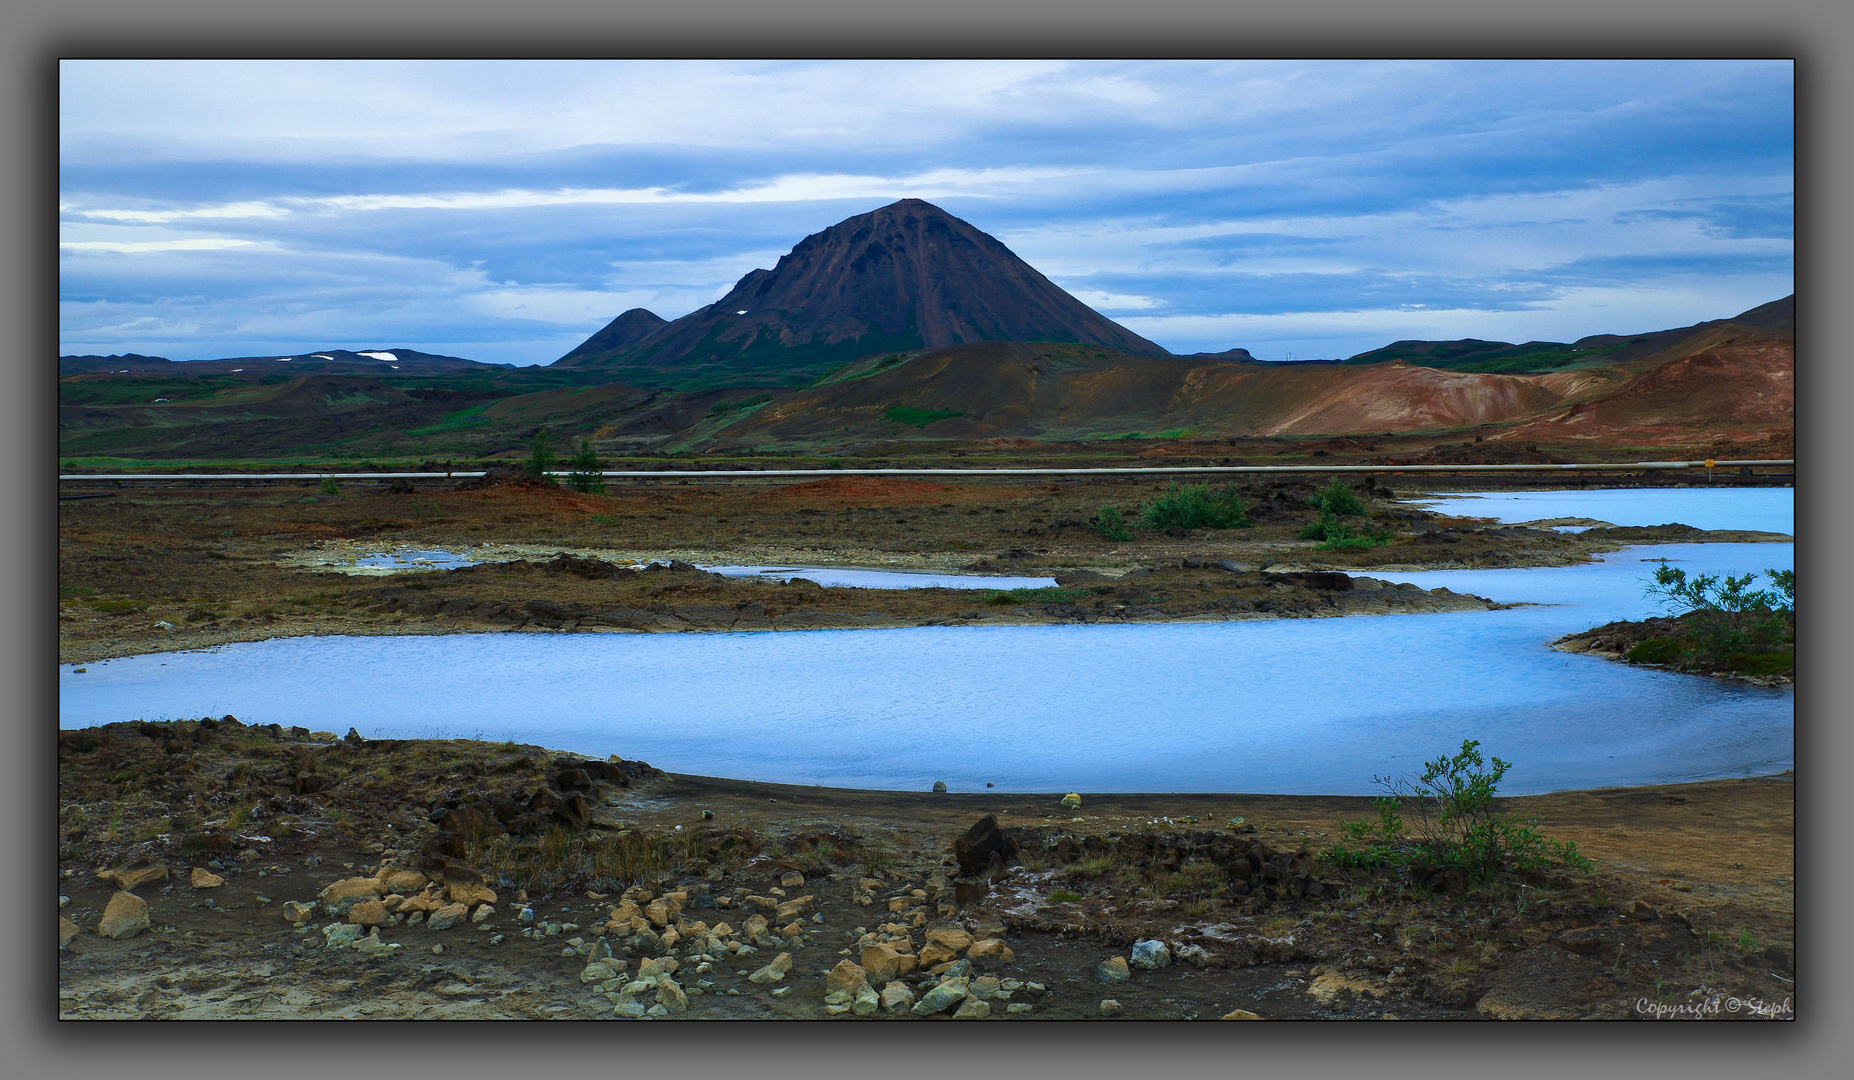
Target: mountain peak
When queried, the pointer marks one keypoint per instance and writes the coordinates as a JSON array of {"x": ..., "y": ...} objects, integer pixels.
[{"x": 902, "y": 277}]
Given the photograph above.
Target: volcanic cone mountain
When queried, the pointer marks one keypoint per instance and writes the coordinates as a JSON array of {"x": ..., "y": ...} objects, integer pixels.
[{"x": 906, "y": 277}]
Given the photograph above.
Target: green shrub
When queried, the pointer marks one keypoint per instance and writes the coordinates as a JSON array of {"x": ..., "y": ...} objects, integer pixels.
[
  {"x": 1195, "y": 506},
  {"x": 1336, "y": 535},
  {"x": 586, "y": 466},
  {"x": 329, "y": 487},
  {"x": 1337, "y": 499},
  {"x": 540, "y": 455},
  {"x": 1729, "y": 616},
  {"x": 1452, "y": 824},
  {"x": 1108, "y": 522}
]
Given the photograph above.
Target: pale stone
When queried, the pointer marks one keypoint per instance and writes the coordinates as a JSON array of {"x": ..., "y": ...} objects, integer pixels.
[
  {"x": 1071, "y": 801},
  {"x": 130, "y": 878},
  {"x": 371, "y": 946},
  {"x": 973, "y": 1009},
  {"x": 951, "y": 937},
  {"x": 344, "y": 894},
  {"x": 1239, "y": 1014},
  {"x": 470, "y": 895},
  {"x": 482, "y": 913},
  {"x": 941, "y": 998},
  {"x": 126, "y": 916},
  {"x": 367, "y": 913},
  {"x": 881, "y": 963},
  {"x": 772, "y": 972},
  {"x": 400, "y": 880},
  {"x": 203, "y": 878},
  {"x": 341, "y": 935},
  {"x": 758, "y": 930},
  {"x": 866, "y": 1001},
  {"x": 296, "y": 912},
  {"x": 1113, "y": 970},
  {"x": 447, "y": 916},
  {"x": 934, "y": 954},
  {"x": 849, "y": 977},
  {"x": 792, "y": 879},
  {"x": 66, "y": 931},
  {"x": 896, "y": 998},
  {"x": 990, "y": 952},
  {"x": 1110, "y": 1007},
  {"x": 1150, "y": 955},
  {"x": 1019, "y": 1007},
  {"x": 665, "y": 965},
  {"x": 670, "y": 995}
]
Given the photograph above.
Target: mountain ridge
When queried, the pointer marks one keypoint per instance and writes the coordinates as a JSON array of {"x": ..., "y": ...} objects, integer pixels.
[{"x": 903, "y": 277}]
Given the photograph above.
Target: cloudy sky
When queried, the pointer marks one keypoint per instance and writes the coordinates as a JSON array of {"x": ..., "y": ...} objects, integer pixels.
[{"x": 504, "y": 211}]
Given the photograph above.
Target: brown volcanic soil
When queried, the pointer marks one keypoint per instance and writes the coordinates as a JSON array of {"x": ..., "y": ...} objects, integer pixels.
[
  {"x": 1068, "y": 391},
  {"x": 1691, "y": 903},
  {"x": 1744, "y": 391},
  {"x": 223, "y": 565}
]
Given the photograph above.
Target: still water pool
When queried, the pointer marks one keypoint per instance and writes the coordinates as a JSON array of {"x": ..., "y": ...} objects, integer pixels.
[{"x": 1318, "y": 705}]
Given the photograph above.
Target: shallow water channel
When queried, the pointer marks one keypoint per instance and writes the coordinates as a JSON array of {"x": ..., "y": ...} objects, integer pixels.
[{"x": 1280, "y": 706}]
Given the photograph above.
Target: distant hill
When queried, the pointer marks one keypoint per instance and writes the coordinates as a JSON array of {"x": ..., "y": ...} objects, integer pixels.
[
  {"x": 906, "y": 277},
  {"x": 1023, "y": 390},
  {"x": 1773, "y": 321},
  {"x": 321, "y": 362}
]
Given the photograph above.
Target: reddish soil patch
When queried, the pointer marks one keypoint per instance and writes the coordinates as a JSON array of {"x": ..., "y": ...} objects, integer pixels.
[{"x": 863, "y": 488}]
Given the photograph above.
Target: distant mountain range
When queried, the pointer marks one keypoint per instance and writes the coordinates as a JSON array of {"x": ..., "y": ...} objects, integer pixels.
[
  {"x": 321, "y": 362},
  {"x": 906, "y": 277},
  {"x": 1776, "y": 319},
  {"x": 907, "y": 323}
]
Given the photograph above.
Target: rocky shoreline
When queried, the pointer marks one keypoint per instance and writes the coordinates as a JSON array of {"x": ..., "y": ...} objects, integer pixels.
[
  {"x": 1623, "y": 642},
  {"x": 571, "y": 593},
  {"x": 214, "y": 869}
]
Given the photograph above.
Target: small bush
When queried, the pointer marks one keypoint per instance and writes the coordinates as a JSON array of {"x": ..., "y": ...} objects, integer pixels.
[
  {"x": 586, "y": 467},
  {"x": 1338, "y": 499},
  {"x": 1195, "y": 506},
  {"x": 1453, "y": 826},
  {"x": 1730, "y": 617},
  {"x": 329, "y": 487},
  {"x": 1110, "y": 525},
  {"x": 540, "y": 455}
]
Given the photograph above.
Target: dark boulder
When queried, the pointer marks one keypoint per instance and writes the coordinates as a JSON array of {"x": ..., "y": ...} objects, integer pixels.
[{"x": 984, "y": 847}]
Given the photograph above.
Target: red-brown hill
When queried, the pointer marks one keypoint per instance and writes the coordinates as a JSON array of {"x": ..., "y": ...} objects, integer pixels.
[{"x": 1015, "y": 389}]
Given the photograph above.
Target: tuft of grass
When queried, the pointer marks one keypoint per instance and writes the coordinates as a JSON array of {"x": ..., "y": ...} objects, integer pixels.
[
  {"x": 1064, "y": 896},
  {"x": 1110, "y": 525},
  {"x": 1337, "y": 535}
]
